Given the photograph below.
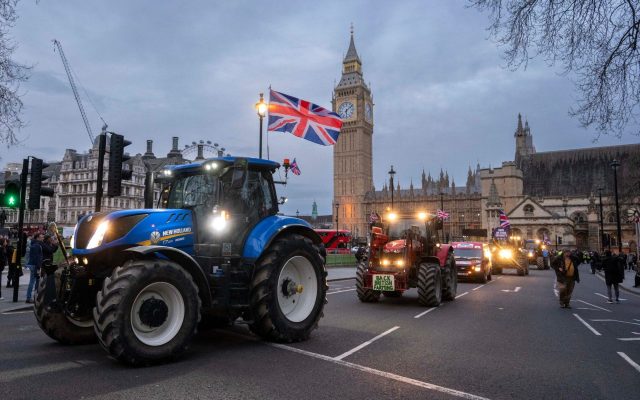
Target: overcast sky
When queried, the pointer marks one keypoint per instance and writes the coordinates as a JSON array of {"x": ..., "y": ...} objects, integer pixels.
[{"x": 157, "y": 69}]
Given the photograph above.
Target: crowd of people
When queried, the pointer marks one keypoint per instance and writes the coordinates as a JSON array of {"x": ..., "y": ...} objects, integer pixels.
[
  {"x": 39, "y": 249},
  {"x": 566, "y": 263}
]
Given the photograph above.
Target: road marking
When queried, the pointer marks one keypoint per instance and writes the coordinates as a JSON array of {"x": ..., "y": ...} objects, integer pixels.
[
  {"x": 460, "y": 295},
  {"x": 593, "y": 305},
  {"x": 595, "y": 332},
  {"x": 478, "y": 287},
  {"x": 341, "y": 291},
  {"x": 365, "y": 344},
  {"x": 628, "y": 339},
  {"x": 12, "y": 375},
  {"x": 614, "y": 320},
  {"x": 629, "y": 360},
  {"x": 425, "y": 312},
  {"x": 17, "y": 312},
  {"x": 388, "y": 375},
  {"x": 607, "y": 297},
  {"x": 516, "y": 290},
  {"x": 499, "y": 277}
]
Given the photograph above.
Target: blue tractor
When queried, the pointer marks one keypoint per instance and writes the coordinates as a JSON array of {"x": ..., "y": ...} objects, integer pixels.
[{"x": 142, "y": 281}]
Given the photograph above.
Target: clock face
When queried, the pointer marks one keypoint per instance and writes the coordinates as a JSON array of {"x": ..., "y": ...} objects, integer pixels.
[
  {"x": 346, "y": 110},
  {"x": 368, "y": 112}
]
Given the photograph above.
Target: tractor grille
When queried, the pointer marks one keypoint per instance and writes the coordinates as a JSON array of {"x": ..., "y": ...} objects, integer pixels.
[{"x": 86, "y": 228}]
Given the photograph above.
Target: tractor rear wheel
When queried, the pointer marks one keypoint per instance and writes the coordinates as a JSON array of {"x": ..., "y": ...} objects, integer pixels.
[
  {"x": 147, "y": 312},
  {"x": 364, "y": 295},
  {"x": 450, "y": 289},
  {"x": 289, "y": 290},
  {"x": 429, "y": 285},
  {"x": 58, "y": 325}
]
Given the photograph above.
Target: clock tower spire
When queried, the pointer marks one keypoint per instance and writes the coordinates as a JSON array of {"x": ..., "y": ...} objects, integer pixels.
[{"x": 352, "y": 154}]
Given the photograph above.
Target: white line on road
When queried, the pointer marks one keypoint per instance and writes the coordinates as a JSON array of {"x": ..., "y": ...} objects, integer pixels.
[
  {"x": 341, "y": 291},
  {"x": 614, "y": 320},
  {"x": 365, "y": 344},
  {"x": 478, "y": 287},
  {"x": 636, "y": 333},
  {"x": 425, "y": 312},
  {"x": 12, "y": 375},
  {"x": 516, "y": 290},
  {"x": 628, "y": 339},
  {"x": 595, "y": 332},
  {"x": 630, "y": 361},
  {"x": 460, "y": 295},
  {"x": 388, "y": 375},
  {"x": 601, "y": 295},
  {"x": 499, "y": 277},
  {"x": 593, "y": 305}
]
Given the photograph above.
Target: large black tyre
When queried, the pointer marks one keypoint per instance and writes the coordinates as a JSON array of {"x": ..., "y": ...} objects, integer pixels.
[
  {"x": 540, "y": 263},
  {"x": 520, "y": 271},
  {"x": 147, "y": 312},
  {"x": 485, "y": 277},
  {"x": 364, "y": 295},
  {"x": 395, "y": 293},
  {"x": 429, "y": 285},
  {"x": 275, "y": 290},
  {"x": 57, "y": 325},
  {"x": 450, "y": 289}
]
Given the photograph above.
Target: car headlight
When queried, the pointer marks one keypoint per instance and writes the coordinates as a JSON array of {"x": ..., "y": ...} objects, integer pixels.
[
  {"x": 505, "y": 253},
  {"x": 98, "y": 235},
  {"x": 477, "y": 268}
]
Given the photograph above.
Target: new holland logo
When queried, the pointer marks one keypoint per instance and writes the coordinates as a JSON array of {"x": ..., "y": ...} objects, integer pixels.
[{"x": 155, "y": 237}]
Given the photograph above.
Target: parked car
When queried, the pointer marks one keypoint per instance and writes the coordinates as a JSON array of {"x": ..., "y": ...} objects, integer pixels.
[{"x": 473, "y": 260}]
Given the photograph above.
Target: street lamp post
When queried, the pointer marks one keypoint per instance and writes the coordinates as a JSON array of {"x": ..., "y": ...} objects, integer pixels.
[
  {"x": 298, "y": 213},
  {"x": 261, "y": 108},
  {"x": 337, "y": 209},
  {"x": 615, "y": 164},
  {"x": 601, "y": 221},
  {"x": 391, "y": 174}
]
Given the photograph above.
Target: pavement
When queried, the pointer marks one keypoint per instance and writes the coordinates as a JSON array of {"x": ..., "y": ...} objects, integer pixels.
[
  {"x": 7, "y": 304},
  {"x": 626, "y": 285},
  {"x": 335, "y": 274}
]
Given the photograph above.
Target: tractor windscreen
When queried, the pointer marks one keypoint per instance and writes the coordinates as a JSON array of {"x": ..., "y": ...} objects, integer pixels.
[
  {"x": 398, "y": 229},
  {"x": 192, "y": 191}
]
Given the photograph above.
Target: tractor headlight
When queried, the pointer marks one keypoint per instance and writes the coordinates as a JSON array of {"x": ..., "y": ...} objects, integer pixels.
[
  {"x": 385, "y": 262},
  {"x": 72, "y": 241},
  {"x": 98, "y": 235},
  {"x": 399, "y": 263},
  {"x": 505, "y": 253},
  {"x": 220, "y": 221},
  {"x": 530, "y": 254}
]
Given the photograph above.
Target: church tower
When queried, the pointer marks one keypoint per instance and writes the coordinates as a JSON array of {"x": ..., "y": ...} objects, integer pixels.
[
  {"x": 524, "y": 142},
  {"x": 352, "y": 153}
]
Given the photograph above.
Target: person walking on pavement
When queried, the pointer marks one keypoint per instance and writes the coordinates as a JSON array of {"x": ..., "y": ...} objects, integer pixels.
[
  {"x": 13, "y": 275},
  {"x": 34, "y": 263},
  {"x": 613, "y": 274},
  {"x": 566, "y": 267}
]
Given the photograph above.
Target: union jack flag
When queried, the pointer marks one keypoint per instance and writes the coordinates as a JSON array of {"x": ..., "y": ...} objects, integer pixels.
[
  {"x": 504, "y": 221},
  {"x": 294, "y": 167},
  {"x": 442, "y": 214},
  {"x": 303, "y": 119}
]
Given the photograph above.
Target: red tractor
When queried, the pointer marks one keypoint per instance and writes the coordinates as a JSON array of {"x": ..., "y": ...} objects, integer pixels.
[{"x": 406, "y": 254}]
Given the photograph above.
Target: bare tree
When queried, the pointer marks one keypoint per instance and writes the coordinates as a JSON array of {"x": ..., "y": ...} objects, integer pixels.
[
  {"x": 595, "y": 39},
  {"x": 11, "y": 75}
]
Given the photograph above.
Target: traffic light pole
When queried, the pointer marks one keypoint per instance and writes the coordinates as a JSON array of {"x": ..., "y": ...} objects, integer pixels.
[
  {"x": 23, "y": 195},
  {"x": 101, "y": 150}
]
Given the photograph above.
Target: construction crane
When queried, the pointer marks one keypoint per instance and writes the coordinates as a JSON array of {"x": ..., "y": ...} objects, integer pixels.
[{"x": 67, "y": 68}]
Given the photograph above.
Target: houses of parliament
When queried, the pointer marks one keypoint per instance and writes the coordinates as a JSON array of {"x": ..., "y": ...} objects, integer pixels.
[{"x": 554, "y": 194}]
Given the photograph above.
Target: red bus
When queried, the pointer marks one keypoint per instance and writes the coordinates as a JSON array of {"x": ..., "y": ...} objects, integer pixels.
[{"x": 335, "y": 241}]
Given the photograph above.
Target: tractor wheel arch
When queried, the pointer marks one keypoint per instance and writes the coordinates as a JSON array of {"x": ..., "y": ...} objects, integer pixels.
[
  {"x": 184, "y": 260},
  {"x": 299, "y": 230}
]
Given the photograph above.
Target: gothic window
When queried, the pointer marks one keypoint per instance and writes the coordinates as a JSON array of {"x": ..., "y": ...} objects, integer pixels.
[
  {"x": 579, "y": 218},
  {"x": 611, "y": 218},
  {"x": 528, "y": 210}
]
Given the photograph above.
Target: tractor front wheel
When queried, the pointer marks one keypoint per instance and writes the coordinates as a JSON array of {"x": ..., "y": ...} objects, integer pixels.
[
  {"x": 429, "y": 285},
  {"x": 451, "y": 281},
  {"x": 365, "y": 295},
  {"x": 57, "y": 324},
  {"x": 147, "y": 312},
  {"x": 289, "y": 290}
]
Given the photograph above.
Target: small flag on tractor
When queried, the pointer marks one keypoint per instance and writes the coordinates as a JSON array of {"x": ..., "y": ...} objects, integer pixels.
[
  {"x": 441, "y": 214},
  {"x": 294, "y": 167}
]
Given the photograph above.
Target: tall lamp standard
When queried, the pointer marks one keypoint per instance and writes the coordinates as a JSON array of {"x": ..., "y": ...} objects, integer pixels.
[
  {"x": 601, "y": 221},
  {"x": 391, "y": 174},
  {"x": 261, "y": 108},
  {"x": 615, "y": 164},
  {"x": 337, "y": 208}
]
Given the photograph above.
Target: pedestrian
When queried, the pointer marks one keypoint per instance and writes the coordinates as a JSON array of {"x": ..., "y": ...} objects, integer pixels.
[
  {"x": 49, "y": 247},
  {"x": 3, "y": 261},
  {"x": 34, "y": 263},
  {"x": 613, "y": 274},
  {"x": 629, "y": 261},
  {"x": 13, "y": 275},
  {"x": 566, "y": 267}
]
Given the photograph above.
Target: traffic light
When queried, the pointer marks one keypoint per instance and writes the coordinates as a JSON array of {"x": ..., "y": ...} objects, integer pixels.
[
  {"x": 11, "y": 198},
  {"x": 35, "y": 185},
  {"x": 116, "y": 158}
]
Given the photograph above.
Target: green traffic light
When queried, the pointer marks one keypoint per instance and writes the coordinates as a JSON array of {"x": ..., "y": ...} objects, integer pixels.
[{"x": 11, "y": 201}]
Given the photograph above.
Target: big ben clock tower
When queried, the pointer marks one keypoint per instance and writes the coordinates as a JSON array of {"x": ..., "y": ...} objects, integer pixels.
[{"x": 352, "y": 154}]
